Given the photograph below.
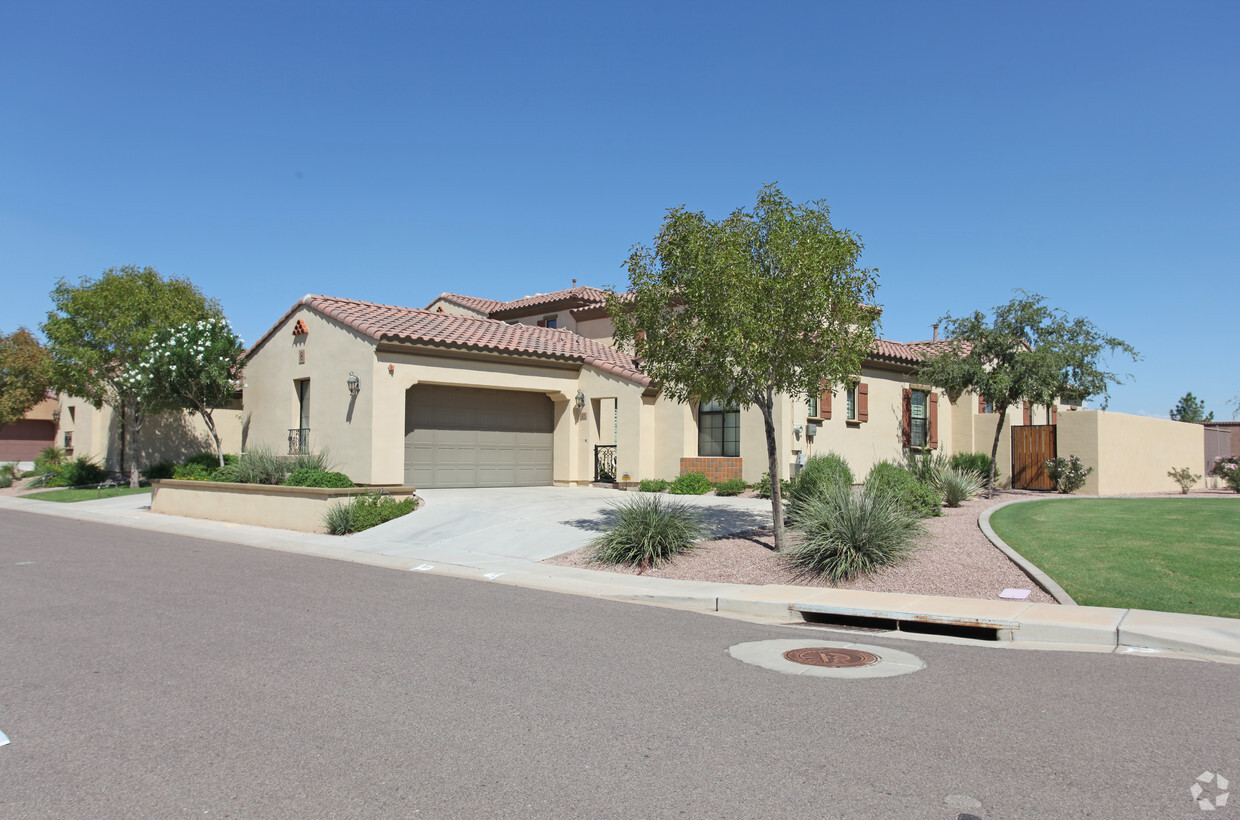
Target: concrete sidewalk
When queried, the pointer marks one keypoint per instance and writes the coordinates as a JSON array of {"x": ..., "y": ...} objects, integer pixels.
[{"x": 1011, "y": 624}]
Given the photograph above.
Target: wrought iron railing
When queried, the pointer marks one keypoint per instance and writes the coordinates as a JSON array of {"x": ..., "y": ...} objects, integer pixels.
[
  {"x": 299, "y": 441},
  {"x": 604, "y": 462}
]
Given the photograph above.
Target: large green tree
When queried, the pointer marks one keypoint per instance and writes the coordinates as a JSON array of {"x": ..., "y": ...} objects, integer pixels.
[
  {"x": 768, "y": 301},
  {"x": 99, "y": 330},
  {"x": 195, "y": 366},
  {"x": 1191, "y": 409},
  {"x": 1025, "y": 352},
  {"x": 25, "y": 374}
]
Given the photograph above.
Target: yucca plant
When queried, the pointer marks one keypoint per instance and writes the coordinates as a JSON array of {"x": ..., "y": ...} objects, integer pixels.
[
  {"x": 340, "y": 518},
  {"x": 958, "y": 486},
  {"x": 846, "y": 533},
  {"x": 647, "y": 531}
]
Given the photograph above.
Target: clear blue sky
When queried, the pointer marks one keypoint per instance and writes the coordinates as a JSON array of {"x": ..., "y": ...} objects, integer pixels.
[{"x": 392, "y": 151}]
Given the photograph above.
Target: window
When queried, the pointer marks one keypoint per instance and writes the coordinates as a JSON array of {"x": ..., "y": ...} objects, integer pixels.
[
  {"x": 811, "y": 405},
  {"x": 549, "y": 321},
  {"x": 718, "y": 430},
  {"x": 919, "y": 419},
  {"x": 850, "y": 401}
]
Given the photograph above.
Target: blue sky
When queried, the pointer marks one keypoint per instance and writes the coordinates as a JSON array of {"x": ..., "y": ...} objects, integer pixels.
[{"x": 392, "y": 151}]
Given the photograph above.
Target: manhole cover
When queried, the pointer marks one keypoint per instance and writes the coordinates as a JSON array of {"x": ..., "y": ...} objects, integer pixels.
[{"x": 831, "y": 657}]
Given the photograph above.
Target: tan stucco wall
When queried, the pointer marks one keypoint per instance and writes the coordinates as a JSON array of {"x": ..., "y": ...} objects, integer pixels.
[
  {"x": 1129, "y": 454},
  {"x": 454, "y": 309},
  {"x": 287, "y": 508}
]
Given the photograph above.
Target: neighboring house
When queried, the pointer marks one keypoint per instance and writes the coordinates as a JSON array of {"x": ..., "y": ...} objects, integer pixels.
[
  {"x": 21, "y": 441},
  {"x": 471, "y": 392}
]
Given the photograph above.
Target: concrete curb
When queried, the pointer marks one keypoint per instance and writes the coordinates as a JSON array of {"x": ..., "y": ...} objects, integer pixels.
[{"x": 1040, "y": 578}]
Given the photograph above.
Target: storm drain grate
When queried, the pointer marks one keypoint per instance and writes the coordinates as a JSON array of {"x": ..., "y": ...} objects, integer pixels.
[{"x": 831, "y": 657}]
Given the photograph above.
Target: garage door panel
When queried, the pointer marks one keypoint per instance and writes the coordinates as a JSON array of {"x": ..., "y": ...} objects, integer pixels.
[{"x": 462, "y": 437}]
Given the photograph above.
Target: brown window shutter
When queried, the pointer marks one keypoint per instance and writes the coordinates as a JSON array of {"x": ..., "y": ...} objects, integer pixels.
[
  {"x": 824, "y": 404},
  {"x": 1054, "y": 414},
  {"x": 933, "y": 410},
  {"x": 863, "y": 401},
  {"x": 906, "y": 420},
  {"x": 1028, "y": 420},
  {"x": 981, "y": 405}
]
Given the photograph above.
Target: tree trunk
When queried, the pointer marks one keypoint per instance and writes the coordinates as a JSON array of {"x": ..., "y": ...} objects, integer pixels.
[
  {"x": 772, "y": 459},
  {"x": 135, "y": 427},
  {"x": 994, "y": 451},
  {"x": 210, "y": 422}
]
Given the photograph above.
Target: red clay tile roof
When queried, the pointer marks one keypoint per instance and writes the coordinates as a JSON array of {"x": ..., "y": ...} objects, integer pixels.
[
  {"x": 388, "y": 322},
  {"x": 911, "y": 352},
  {"x": 472, "y": 302},
  {"x": 581, "y": 296}
]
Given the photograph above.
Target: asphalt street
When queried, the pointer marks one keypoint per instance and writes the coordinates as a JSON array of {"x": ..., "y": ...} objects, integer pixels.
[{"x": 146, "y": 675}]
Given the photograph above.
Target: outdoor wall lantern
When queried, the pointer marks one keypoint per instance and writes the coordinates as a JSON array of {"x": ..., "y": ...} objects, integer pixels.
[
  {"x": 580, "y": 400},
  {"x": 56, "y": 416},
  {"x": 355, "y": 384}
]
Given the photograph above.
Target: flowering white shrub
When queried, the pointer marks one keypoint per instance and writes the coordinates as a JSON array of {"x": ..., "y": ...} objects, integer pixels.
[{"x": 1068, "y": 473}]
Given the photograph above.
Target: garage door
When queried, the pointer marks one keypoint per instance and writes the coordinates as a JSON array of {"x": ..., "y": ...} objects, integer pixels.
[{"x": 459, "y": 437}]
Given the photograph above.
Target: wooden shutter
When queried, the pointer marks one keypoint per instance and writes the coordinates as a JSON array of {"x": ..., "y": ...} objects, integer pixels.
[
  {"x": 824, "y": 404},
  {"x": 1028, "y": 419},
  {"x": 981, "y": 405},
  {"x": 1054, "y": 414},
  {"x": 933, "y": 411},
  {"x": 863, "y": 401},
  {"x": 906, "y": 420}
]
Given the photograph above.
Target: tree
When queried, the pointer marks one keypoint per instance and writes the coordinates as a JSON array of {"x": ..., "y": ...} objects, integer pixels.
[
  {"x": 764, "y": 302},
  {"x": 195, "y": 366},
  {"x": 1191, "y": 409},
  {"x": 100, "y": 328},
  {"x": 1027, "y": 352},
  {"x": 25, "y": 375}
]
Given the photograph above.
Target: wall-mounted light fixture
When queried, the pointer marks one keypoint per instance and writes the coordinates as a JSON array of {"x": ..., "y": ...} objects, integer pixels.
[
  {"x": 391, "y": 369},
  {"x": 355, "y": 384},
  {"x": 580, "y": 401},
  {"x": 56, "y": 416}
]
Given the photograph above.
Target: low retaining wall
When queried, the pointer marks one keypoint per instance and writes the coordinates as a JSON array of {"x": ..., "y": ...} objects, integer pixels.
[{"x": 264, "y": 505}]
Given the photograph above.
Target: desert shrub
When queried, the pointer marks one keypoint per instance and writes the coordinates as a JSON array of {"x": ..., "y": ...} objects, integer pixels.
[
  {"x": 820, "y": 473},
  {"x": 653, "y": 485},
  {"x": 647, "y": 530},
  {"x": 958, "y": 486},
  {"x": 48, "y": 459},
  {"x": 163, "y": 469},
  {"x": 690, "y": 484},
  {"x": 208, "y": 460},
  {"x": 977, "y": 462},
  {"x": 9, "y": 473},
  {"x": 846, "y": 532},
  {"x": 77, "y": 473},
  {"x": 919, "y": 499},
  {"x": 193, "y": 472},
  {"x": 1228, "y": 469},
  {"x": 230, "y": 473},
  {"x": 734, "y": 486},
  {"x": 261, "y": 465},
  {"x": 364, "y": 512},
  {"x": 763, "y": 487},
  {"x": 1068, "y": 473},
  {"x": 317, "y": 478},
  {"x": 925, "y": 464},
  {"x": 1184, "y": 477}
]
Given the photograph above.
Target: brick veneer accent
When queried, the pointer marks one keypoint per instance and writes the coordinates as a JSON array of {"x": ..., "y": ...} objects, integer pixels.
[{"x": 716, "y": 468}]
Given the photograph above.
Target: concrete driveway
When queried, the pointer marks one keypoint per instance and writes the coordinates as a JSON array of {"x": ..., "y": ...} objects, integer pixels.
[{"x": 529, "y": 523}]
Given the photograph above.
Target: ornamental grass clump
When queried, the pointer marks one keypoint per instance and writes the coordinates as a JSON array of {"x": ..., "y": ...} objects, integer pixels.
[
  {"x": 647, "y": 531},
  {"x": 364, "y": 512},
  {"x": 958, "y": 486},
  {"x": 847, "y": 532}
]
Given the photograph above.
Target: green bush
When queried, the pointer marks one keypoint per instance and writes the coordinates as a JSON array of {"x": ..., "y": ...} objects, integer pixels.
[
  {"x": 1068, "y": 473},
  {"x": 8, "y": 474},
  {"x": 690, "y": 484},
  {"x": 653, "y": 485},
  {"x": 193, "y": 472},
  {"x": 919, "y": 499},
  {"x": 77, "y": 473},
  {"x": 1184, "y": 477},
  {"x": 208, "y": 460},
  {"x": 846, "y": 532},
  {"x": 261, "y": 465},
  {"x": 365, "y": 511},
  {"x": 977, "y": 462},
  {"x": 958, "y": 486},
  {"x": 647, "y": 531},
  {"x": 230, "y": 473},
  {"x": 48, "y": 459},
  {"x": 163, "y": 469},
  {"x": 763, "y": 486},
  {"x": 317, "y": 478},
  {"x": 820, "y": 473},
  {"x": 925, "y": 464},
  {"x": 733, "y": 486}
]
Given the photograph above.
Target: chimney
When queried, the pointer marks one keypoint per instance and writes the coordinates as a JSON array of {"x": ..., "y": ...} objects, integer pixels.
[
  {"x": 935, "y": 338},
  {"x": 574, "y": 283}
]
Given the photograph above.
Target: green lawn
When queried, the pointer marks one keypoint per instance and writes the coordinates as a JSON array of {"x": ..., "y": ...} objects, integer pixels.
[
  {"x": 91, "y": 494},
  {"x": 1172, "y": 555}
]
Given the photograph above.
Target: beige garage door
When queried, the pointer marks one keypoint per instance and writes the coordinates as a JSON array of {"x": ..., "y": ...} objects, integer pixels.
[{"x": 460, "y": 437}]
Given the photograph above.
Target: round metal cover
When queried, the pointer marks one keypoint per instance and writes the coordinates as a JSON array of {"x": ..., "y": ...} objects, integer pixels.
[{"x": 831, "y": 657}]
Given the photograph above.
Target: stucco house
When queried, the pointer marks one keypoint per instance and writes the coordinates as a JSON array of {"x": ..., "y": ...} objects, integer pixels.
[{"x": 472, "y": 392}]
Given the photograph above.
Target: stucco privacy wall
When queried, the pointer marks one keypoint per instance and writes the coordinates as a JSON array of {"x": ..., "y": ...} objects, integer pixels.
[
  {"x": 287, "y": 508},
  {"x": 1129, "y": 454},
  {"x": 166, "y": 437}
]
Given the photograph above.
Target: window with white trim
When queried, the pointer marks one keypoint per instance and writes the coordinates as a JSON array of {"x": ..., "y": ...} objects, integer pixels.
[{"x": 919, "y": 418}]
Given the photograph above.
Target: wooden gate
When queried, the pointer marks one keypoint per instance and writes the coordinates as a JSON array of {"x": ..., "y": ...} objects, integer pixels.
[{"x": 1032, "y": 445}]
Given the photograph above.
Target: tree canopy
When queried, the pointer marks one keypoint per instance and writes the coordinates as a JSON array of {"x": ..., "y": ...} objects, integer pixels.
[
  {"x": 25, "y": 374},
  {"x": 1191, "y": 409},
  {"x": 1026, "y": 352},
  {"x": 99, "y": 328},
  {"x": 767, "y": 301}
]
